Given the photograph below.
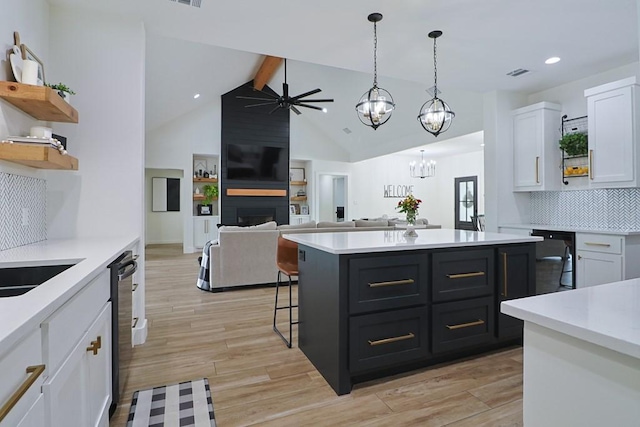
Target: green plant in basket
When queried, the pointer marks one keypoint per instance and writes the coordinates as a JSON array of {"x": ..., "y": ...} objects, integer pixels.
[
  {"x": 575, "y": 144},
  {"x": 210, "y": 193}
]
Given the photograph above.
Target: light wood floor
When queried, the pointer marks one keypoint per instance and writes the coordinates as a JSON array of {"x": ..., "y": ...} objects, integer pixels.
[{"x": 256, "y": 380}]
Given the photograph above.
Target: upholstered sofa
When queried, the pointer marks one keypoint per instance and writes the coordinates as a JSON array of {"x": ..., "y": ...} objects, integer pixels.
[{"x": 247, "y": 255}]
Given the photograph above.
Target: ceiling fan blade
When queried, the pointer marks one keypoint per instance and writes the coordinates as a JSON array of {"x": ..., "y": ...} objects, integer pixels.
[
  {"x": 295, "y": 110},
  {"x": 262, "y": 103},
  {"x": 311, "y": 92},
  {"x": 274, "y": 109},
  {"x": 317, "y": 100},
  {"x": 253, "y": 98},
  {"x": 309, "y": 106},
  {"x": 270, "y": 95}
]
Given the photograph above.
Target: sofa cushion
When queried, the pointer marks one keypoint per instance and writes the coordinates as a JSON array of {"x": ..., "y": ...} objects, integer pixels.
[
  {"x": 370, "y": 223},
  {"x": 329, "y": 224},
  {"x": 271, "y": 225},
  {"x": 310, "y": 224}
]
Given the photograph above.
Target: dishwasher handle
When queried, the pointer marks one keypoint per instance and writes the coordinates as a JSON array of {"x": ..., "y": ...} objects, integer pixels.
[{"x": 127, "y": 269}]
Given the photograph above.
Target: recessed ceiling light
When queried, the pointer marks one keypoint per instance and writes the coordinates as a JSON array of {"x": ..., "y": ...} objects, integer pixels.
[
  {"x": 552, "y": 60},
  {"x": 324, "y": 110},
  {"x": 482, "y": 145},
  {"x": 196, "y": 96}
]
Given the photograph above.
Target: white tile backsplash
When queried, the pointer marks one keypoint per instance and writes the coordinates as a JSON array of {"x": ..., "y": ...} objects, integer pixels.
[
  {"x": 615, "y": 209},
  {"x": 22, "y": 199}
]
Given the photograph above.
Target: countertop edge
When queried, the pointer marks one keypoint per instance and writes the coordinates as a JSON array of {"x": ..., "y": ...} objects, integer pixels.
[{"x": 571, "y": 229}]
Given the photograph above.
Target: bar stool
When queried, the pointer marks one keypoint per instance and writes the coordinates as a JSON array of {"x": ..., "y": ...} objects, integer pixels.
[{"x": 287, "y": 263}]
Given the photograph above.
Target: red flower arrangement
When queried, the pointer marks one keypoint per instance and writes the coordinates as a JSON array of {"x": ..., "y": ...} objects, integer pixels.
[{"x": 409, "y": 205}]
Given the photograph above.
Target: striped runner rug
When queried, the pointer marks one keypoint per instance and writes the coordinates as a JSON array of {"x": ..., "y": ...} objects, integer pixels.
[{"x": 186, "y": 404}]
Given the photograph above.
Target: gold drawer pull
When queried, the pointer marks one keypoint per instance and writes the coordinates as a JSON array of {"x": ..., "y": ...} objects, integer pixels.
[
  {"x": 35, "y": 372},
  {"x": 606, "y": 245},
  {"x": 95, "y": 345},
  {"x": 465, "y": 325},
  {"x": 135, "y": 322},
  {"x": 134, "y": 287},
  {"x": 537, "y": 170},
  {"x": 590, "y": 164},
  {"x": 392, "y": 283},
  {"x": 465, "y": 275},
  {"x": 504, "y": 266},
  {"x": 394, "y": 339}
]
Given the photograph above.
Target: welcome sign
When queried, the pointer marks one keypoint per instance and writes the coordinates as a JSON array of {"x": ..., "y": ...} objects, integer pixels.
[{"x": 397, "y": 191}]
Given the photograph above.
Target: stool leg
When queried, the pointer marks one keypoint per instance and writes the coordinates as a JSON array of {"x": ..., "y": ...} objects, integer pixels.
[
  {"x": 276, "y": 308},
  {"x": 290, "y": 314}
]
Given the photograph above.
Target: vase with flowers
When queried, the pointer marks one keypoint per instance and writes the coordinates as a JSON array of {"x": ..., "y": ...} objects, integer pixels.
[{"x": 409, "y": 206}]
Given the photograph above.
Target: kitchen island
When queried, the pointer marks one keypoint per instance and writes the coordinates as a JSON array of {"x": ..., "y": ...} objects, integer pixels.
[
  {"x": 581, "y": 356},
  {"x": 375, "y": 303}
]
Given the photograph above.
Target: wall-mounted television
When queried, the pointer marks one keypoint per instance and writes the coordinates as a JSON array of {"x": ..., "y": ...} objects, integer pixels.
[{"x": 257, "y": 162}]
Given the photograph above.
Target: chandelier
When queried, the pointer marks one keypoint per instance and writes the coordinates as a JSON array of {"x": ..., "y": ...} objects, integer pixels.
[
  {"x": 435, "y": 115},
  {"x": 422, "y": 169},
  {"x": 376, "y": 105}
]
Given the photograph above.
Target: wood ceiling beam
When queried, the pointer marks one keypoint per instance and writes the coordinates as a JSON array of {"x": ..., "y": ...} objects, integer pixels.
[{"x": 266, "y": 71}]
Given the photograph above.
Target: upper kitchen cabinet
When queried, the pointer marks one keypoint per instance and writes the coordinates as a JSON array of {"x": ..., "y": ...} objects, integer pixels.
[
  {"x": 536, "y": 157},
  {"x": 613, "y": 130}
]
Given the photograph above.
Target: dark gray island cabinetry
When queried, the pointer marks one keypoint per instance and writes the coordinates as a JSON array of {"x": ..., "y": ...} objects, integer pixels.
[{"x": 374, "y": 303}]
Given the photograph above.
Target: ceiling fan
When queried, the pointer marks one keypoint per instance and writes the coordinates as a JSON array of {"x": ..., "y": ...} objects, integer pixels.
[{"x": 285, "y": 101}]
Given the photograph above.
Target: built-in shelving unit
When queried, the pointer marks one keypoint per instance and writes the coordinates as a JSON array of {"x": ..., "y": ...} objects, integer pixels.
[
  {"x": 40, "y": 102},
  {"x": 37, "y": 156},
  {"x": 299, "y": 198},
  {"x": 207, "y": 180}
]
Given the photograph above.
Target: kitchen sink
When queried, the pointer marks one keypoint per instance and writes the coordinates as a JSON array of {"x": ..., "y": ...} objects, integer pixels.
[{"x": 20, "y": 280}]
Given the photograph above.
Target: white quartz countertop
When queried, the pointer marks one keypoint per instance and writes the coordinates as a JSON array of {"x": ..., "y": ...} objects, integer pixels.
[
  {"x": 90, "y": 256},
  {"x": 606, "y": 315},
  {"x": 574, "y": 229},
  {"x": 393, "y": 240}
]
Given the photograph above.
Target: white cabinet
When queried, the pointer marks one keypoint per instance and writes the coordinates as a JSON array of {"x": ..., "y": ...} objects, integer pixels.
[
  {"x": 612, "y": 111},
  {"x": 204, "y": 230},
  {"x": 536, "y": 156},
  {"x": 299, "y": 219},
  {"x": 22, "y": 367},
  {"x": 605, "y": 258},
  {"x": 595, "y": 268}
]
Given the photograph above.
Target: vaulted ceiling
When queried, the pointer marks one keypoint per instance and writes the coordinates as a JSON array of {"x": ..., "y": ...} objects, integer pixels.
[{"x": 215, "y": 48}]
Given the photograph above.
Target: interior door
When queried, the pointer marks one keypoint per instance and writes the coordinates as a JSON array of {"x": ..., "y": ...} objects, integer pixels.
[{"x": 466, "y": 202}]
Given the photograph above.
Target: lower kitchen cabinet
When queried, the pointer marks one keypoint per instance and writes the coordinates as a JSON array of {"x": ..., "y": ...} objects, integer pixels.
[
  {"x": 517, "y": 279},
  {"x": 79, "y": 393},
  {"x": 462, "y": 324},
  {"x": 596, "y": 268},
  {"x": 35, "y": 415},
  {"x": 606, "y": 258}
]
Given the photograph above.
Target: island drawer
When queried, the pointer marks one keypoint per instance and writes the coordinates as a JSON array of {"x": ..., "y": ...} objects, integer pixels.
[
  {"x": 461, "y": 324},
  {"x": 387, "y": 339},
  {"x": 462, "y": 274},
  {"x": 382, "y": 283}
]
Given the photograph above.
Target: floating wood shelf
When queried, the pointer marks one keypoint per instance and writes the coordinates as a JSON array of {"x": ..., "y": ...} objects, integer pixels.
[
  {"x": 255, "y": 192},
  {"x": 200, "y": 197},
  {"x": 214, "y": 180},
  {"x": 299, "y": 198},
  {"x": 37, "y": 156},
  {"x": 41, "y": 102},
  {"x": 298, "y": 182}
]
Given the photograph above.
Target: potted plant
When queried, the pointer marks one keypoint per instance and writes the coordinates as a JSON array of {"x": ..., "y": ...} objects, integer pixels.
[
  {"x": 575, "y": 144},
  {"x": 63, "y": 90}
]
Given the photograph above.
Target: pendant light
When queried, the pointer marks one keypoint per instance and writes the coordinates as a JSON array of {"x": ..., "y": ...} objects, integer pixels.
[
  {"x": 435, "y": 115},
  {"x": 424, "y": 169},
  {"x": 376, "y": 105}
]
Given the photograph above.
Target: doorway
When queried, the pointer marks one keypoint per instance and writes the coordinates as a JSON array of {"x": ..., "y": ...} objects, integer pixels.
[
  {"x": 466, "y": 205},
  {"x": 332, "y": 197}
]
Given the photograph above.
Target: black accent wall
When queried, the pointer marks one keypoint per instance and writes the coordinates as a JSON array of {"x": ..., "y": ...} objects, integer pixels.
[{"x": 252, "y": 126}]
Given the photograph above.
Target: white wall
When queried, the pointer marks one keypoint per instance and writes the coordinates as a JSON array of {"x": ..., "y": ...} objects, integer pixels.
[
  {"x": 437, "y": 193},
  {"x": 162, "y": 227},
  {"x": 325, "y": 209}
]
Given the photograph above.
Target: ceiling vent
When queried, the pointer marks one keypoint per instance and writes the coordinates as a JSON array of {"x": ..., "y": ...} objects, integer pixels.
[
  {"x": 517, "y": 72},
  {"x": 194, "y": 3},
  {"x": 346, "y": 130}
]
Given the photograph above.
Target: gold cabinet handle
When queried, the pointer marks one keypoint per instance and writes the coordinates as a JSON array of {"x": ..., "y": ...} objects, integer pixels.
[
  {"x": 465, "y": 275},
  {"x": 394, "y": 339},
  {"x": 134, "y": 287},
  {"x": 590, "y": 164},
  {"x": 466, "y": 325},
  {"x": 34, "y": 372},
  {"x": 606, "y": 245},
  {"x": 95, "y": 345},
  {"x": 391, "y": 283},
  {"x": 135, "y": 322},
  {"x": 537, "y": 170},
  {"x": 504, "y": 270}
]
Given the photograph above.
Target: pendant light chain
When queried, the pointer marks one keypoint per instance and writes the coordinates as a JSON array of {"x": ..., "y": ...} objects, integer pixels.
[
  {"x": 375, "y": 55},
  {"x": 435, "y": 69}
]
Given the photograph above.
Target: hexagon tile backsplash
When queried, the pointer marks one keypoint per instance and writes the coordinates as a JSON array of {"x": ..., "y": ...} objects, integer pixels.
[
  {"x": 23, "y": 210},
  {"x": 613, "y": 209}
]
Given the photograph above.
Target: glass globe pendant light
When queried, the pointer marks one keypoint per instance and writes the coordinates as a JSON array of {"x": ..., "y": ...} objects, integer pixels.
[
  {"x": 376, "y": 105},
  {"x": 435, "y": 115}
]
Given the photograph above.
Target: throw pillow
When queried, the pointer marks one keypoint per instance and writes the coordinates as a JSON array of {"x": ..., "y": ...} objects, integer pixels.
[
  {"x": 369, "y": 223},
  {"x": 310, "y": 224},
  {"x": 329, "y": 224}
]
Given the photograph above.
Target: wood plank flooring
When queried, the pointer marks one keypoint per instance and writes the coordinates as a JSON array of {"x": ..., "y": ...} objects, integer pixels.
[{"x": 256, "y": 380}]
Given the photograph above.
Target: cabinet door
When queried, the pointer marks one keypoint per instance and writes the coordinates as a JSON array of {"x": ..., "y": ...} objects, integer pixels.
[
  {"x": 35, "y": 417},
  {"x": 99, "y": 370},
  {"x": 597, "y": 268},
  {"x": 611, "y": 118},
  {"x": 527, "y": 150},
  {"x": 517, "y": 279}
]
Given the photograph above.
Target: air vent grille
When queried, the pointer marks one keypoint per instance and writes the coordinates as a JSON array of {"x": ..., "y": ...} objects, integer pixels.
[
  {"x": 194, "y": 3},
  {"x": 517, "y": 72}
]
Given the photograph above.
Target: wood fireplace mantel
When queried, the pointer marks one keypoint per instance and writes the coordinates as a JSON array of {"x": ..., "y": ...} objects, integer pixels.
[{"x": 256, "y": 192}]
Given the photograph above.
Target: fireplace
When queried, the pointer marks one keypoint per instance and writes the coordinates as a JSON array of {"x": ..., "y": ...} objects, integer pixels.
[{"x": 254, "y": 216}]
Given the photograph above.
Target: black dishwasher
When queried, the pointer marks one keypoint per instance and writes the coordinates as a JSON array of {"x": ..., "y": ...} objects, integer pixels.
[{"x": 122, "y": 270}]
